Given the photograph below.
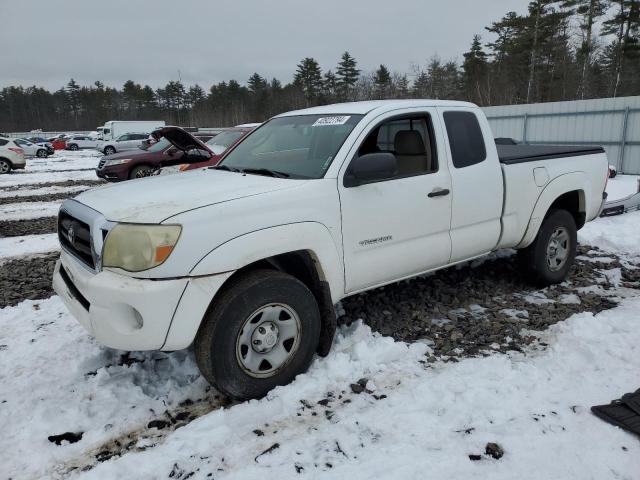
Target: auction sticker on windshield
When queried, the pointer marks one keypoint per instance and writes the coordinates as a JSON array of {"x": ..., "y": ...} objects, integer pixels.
[{"x": 341, "y": 120}]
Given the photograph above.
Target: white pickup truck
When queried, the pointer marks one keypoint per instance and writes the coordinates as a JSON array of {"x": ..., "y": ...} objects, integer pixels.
[{"x": 245, "y": 260}]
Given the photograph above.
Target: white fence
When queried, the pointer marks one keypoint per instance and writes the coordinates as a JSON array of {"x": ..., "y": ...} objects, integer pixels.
[{"x": 613, "y": 123}]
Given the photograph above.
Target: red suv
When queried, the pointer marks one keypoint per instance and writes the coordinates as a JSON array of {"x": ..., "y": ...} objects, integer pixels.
[{"x": 141, "y": 163}]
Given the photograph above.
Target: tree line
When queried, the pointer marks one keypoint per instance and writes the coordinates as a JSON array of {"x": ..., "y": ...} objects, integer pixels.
[{"x": 557, "y": 50}]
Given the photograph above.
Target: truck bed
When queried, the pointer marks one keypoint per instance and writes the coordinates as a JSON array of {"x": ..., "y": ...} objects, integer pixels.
[{"x": 510, "y": 154}]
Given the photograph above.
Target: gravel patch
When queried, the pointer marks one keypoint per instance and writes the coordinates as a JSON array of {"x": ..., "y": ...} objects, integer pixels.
[
  {"x": 53, "y": 197},
  {"x": 36, "y": 226},
  {"x": 465, "y": 311},
  {"x": 26, "y": 279}
]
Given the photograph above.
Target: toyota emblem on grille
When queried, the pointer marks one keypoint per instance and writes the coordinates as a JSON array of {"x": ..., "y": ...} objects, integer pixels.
[{"x": 71, "y": 235}]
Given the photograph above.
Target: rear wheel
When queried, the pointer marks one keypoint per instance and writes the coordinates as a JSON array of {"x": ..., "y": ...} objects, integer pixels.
[
  {"x": 109, "y": 150},
  {"x": 42, "y": 153},
  {"x": 140, "y": 171},
  {"x": 73, "y": 147},
  {"x": 261, "y": 332},
  {"x": 5, "y": 166},
  {"x": 549, "y": 258}
]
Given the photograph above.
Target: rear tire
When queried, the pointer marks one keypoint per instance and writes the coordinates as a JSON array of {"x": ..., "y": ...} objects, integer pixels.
[
  {"x": 140, "y": 171},
  {"x": 261, "y": 332},
  {"x": 549, "y": 258},
  {"x": 73, "y": 147},
  {"x": 109, "y": 150},
  {"x": 5, "y": 166}
]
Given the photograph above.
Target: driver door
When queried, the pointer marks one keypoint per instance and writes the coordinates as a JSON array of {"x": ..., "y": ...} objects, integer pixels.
[{"x": 397, "y": 228}]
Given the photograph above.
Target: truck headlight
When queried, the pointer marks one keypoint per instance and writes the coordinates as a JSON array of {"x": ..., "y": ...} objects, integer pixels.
[{"x": 135, "y": 248}]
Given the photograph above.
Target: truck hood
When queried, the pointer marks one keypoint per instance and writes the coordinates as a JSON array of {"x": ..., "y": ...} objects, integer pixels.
[{"x": 155, "y": 199}]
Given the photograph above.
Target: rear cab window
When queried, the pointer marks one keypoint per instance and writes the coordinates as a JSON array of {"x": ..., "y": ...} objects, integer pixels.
[{"x": 465, "y": 138}]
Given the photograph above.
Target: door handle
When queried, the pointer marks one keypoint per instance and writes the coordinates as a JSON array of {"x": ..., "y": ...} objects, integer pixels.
[{"x": 439, "y": 192}]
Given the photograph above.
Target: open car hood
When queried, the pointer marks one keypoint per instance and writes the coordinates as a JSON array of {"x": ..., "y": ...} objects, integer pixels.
[{"x": 180, "y": 139}]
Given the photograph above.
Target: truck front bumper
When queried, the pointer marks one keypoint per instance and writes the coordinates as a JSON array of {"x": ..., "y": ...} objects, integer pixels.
[{"x": 134, "y": 314}]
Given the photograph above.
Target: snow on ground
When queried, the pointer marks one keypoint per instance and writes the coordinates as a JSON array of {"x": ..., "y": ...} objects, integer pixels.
[
  {"x": 20, "y": 179},
  {"x": 29, "y": 210},
  {"x": 536, "y": 406},
  {"x": 420, "y": 420},
  {"x": 28, "y": 245},
  {"x": 65, "y": 160},
  {"x": 622, "y": 186},
  {"x": 620, "y": 233}
]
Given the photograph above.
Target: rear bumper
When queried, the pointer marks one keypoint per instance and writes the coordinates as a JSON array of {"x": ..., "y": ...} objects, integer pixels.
[{"x": 134, "y": 314}]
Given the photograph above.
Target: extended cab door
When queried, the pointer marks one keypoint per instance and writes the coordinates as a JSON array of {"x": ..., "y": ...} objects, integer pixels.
[
  {"x": 398, "y": 227},
  {"x": 478, "y": 189}
]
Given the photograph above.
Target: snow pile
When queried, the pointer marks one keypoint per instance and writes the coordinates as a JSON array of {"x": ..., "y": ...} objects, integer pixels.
[{"x": 622, "y": 186}]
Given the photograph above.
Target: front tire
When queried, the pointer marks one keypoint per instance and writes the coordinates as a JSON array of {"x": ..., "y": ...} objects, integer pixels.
[
  {"x": 109, "y": 151},
  {"x": 261, "y": 332},
  {"x": 41, "y": 153},
  {"x": 140, "y": 171},
  {"x": 5, "y": 166},
  {"x": 73, "y": 147},
  {"x": 549, "y": 258}
]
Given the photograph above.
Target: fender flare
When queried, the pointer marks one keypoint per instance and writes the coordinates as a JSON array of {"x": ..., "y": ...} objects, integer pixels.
[
  {"x": 251, "y": 247},
  {"x": 568, "y": 182}
]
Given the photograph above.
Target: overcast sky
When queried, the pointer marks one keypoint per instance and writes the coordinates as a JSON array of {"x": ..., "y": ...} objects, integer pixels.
[{"x": 46, "y": 42}]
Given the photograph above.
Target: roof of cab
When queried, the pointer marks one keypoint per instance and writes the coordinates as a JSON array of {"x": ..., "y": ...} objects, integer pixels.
[{"x": 362, "y": 108}]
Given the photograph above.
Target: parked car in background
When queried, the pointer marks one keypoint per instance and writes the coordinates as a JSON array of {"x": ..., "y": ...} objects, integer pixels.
[
  {"x": 79, "y": 142},
  {"x": 137, "y": 163},
  {"x": 11, "y": 156},
  {"x": 43, "y": 143},
  {"x": 32, "y": 149},
  {"x": 128, "y": 141}
]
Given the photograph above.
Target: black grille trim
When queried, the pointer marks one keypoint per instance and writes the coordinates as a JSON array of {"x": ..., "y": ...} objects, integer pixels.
[
  {"x": 73, "y": 290},
  {"x": 81, "y": 246}
]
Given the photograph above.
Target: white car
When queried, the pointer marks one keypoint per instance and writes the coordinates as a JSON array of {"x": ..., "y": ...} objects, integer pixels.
[
  {"x": 32, "y": 149},
  {"x": 246, "y": 259},
  {"x": 11, "y": 156},
  {"x": 128, "y": 141},
  {"x": 78, "y": 142}
]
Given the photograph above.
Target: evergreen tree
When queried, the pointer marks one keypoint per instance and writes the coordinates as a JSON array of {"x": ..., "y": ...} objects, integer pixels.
[
  {"x": 382, "y": 83},
  {"x": 347, "y": 75},
  {"x": 475, "y": 73},
  {"x": 308, "y": 78}
]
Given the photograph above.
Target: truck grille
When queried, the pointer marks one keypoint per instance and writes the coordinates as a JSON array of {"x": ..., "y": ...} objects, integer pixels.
[
  {"x": 101, "y": 164},
  {"x": 75, "y": 237}
]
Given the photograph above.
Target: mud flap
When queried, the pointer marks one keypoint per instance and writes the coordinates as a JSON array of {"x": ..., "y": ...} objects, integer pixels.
[
  {"x": 329, "y": 321},
  {"x": 623, "y": 413}
]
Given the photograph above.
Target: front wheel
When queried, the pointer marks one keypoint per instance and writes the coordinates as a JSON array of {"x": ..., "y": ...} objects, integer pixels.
[
  {"x": 140, "y": 171},
  {"x": 41, "y": 153},
  {"x": 261, "y": 332},
  {"x": 73, "y": 147},
  {"x": 109, "y": 151},
  {"x": 5, "y": 166},
  {"x": 549, "y": 258}
]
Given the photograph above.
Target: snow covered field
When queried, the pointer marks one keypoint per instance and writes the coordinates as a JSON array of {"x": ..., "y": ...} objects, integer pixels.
[{"x": 417, "y": 418}]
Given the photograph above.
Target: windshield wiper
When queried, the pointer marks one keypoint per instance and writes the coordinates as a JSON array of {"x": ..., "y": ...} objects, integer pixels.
[
  {"x": 265, "y": 171},
  {"x": 225, "y": 167}
]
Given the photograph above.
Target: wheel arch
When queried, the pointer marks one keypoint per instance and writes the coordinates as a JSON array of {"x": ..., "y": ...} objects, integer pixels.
[
  {"x": 567, "y": 192},
  {"x": 304, "y": 250}
]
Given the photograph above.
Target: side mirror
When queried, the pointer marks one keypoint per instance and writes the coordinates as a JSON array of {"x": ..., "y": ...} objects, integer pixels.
[{"x": 371, "y": 167}]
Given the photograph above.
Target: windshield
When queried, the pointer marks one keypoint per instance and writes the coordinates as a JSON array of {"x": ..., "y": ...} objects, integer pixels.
[
  {"x": 301, "y": 146},
  {"x": 224, "y": 140},
  {"x": 159, "y": 146}
]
